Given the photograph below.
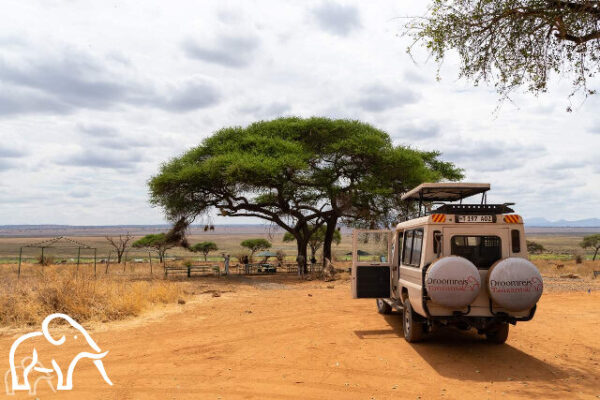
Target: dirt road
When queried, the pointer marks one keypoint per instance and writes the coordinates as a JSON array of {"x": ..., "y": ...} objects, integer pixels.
[{"x": 307, "y": 341}]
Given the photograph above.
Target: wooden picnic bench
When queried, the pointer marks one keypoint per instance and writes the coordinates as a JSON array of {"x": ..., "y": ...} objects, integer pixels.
[
  {"x": 257, "y": 268},
  {"x": 175, "y": 269}
]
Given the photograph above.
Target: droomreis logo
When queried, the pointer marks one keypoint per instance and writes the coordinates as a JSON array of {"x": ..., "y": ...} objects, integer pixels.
[
  {"x": 20, "y": 369},
  {"x": 517, "y": 285},
  {"x": 470, "y": 283}
]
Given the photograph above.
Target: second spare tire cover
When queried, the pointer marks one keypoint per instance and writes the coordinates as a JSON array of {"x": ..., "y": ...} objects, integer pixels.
[
  {"x": 453, "y": 282},
  {"x": 515, "y": 284}
]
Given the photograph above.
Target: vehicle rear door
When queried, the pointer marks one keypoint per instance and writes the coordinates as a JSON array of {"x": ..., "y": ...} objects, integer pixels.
[{"x": 371, "y": 261}]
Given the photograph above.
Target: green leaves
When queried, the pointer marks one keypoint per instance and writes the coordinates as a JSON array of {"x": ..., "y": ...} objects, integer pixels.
[
  {"x": 515, "y": 43},
  {"x": 154, "y": 240},
  {"x": 295, "y": 172},
  {"x": 256, "y": 244},
  {"x": 204, "y": 247}
]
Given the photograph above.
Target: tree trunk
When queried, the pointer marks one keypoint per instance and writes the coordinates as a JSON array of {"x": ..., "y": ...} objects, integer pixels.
[
  {"x": 331, "y": 227},
  {"x": 205, "y": 255},
  {"x": 595, "y": 253},
  {"x": 301, "y": 259},
  {"x": 119, "y": 256},
  {"x": 161, "y": 255}
]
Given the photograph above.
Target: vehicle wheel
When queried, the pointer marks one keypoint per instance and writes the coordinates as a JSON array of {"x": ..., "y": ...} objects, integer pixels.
[
  {"x": 383, "y": 307},
  {"x": 413, "y": 328},
  {"x": 497, "y": 334}
]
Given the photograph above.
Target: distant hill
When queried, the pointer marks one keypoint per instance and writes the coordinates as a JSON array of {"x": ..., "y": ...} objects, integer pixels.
[
  {"x": 136, "y": 230},
  {"x": 581, "y": 223}
]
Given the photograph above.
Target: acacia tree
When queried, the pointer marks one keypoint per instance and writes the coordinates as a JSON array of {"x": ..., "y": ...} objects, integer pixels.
[
  {"x": 299, "y": 174},
  {"x": 204, "y": 248},
  {"x": 592, "y": 241},
  {"x": 534, "y": 247},
  {"x": 255, "y": 245},
  {"x": 120, "y": 244},
  {"x": 316, "y": 240},
  {"x": 159, "y": 242},
  {"x": 515, "y": 43}
]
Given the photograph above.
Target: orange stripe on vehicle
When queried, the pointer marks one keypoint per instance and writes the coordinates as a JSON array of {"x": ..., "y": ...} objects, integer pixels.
[{"x": 512, "y": 219}]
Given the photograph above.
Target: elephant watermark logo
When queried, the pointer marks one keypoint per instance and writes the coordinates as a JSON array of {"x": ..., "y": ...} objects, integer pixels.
[{"x": 19, "y": 374}]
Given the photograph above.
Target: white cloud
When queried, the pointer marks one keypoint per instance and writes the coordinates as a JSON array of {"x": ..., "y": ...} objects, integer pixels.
[
  {"x": 336, "y": 18},
  {"x": 88, "y": 112}
]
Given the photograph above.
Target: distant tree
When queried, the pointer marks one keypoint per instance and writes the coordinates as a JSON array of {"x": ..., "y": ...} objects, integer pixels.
[
  {"x": 317, "y": 239},
  {"x": 157, "y": 241},
  {"x": 592, "y": 241},
  {"x": 534, "y": 247},
  {"x": 515, "y": 43},
  {"x": 255, "y": 245},
  {"x": 120, "y": 244},
  {"x": 204, "y": 248}
]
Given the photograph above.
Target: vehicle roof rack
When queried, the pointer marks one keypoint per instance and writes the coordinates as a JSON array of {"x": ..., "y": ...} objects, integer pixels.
[
  {"x": 445, "y": 191},
  {"x": 471, "y": 209}
]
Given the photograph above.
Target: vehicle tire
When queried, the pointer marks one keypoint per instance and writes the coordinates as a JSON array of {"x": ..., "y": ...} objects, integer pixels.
[
  {"x": 383, "y": 307},
  {"x": 412, "y": 327},
  {"x": 498, "y": 334}
]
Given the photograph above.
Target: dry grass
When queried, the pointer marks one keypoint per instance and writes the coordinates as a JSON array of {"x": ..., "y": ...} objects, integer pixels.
[
  {"x": 558, "y": 268},
  {"x": 28, "y": 300}
]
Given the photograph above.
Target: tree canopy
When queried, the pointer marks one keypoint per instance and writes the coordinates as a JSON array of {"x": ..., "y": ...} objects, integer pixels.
[
  {"x": 204, "y": 248},
  {"x": 255, "y": 245},
  {"x": 592, "y": 241},
  {"x": 296, "y": 173},
  {"x": 158, "y": 241},
  {"x": 534, "y": 247},
  {"x": 515, "y": 43}
]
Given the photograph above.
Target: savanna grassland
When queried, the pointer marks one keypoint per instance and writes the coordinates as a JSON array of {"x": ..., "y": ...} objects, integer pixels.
[{"x": 110, "y": 291}]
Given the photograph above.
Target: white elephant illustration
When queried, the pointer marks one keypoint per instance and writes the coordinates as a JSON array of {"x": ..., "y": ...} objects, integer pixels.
[{"x": 63, "y": 383}]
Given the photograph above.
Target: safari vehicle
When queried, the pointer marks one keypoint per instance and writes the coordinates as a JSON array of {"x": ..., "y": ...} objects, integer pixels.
[{"x": 464, "y": 265}]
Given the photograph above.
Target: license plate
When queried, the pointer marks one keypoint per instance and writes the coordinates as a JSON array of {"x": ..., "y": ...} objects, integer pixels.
[{"x": 474, "y": 218}]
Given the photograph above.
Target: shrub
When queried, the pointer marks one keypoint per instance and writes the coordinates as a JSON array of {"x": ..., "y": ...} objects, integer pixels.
[
  {"x": 45, "y": 260},
  {"x": 534, "y": 247}
]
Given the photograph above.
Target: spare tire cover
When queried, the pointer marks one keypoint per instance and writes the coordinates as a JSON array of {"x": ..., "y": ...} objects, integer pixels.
[
  {"x": 453, "y": 282},
  {"x": 515, "y": 284}
]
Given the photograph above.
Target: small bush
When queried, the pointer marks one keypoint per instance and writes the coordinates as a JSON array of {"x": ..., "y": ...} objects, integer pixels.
[
  {"x": 578, "y": 259},
  {"x": 45, "y": 260}
]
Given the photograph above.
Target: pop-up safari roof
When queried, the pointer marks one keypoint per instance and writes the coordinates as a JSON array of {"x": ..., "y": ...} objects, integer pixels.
[{"x": 445, "y": 191}]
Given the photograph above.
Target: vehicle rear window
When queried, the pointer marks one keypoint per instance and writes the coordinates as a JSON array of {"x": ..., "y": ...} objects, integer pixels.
[{"x": 483, "y": 251}]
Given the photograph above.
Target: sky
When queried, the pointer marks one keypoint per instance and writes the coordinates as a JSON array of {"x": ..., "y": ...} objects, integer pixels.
[{"x": 94, "y": 96}]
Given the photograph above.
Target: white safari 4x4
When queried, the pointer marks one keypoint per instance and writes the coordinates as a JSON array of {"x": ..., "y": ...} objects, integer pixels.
[{"x": 460, "y": 264}]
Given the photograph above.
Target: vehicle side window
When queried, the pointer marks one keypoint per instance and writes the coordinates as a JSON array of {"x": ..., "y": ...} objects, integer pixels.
[
  {"x": 400, "y": 246},
  {"x": 516, "y": 240},
  {"x": 416, "y": 249},
  {"x": 408, "y": 238},
  {"x": 437, "y": 241}
]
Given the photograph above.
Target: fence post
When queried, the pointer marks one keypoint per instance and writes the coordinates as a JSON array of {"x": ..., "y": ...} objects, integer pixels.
[
  {"x": 78, "y": 256},
  {"x": 107, "y": 263},
  {"x": 19, "y": 268},
  {"x": 150, "y": 258},
  {"x": 95, "y": 250}
]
